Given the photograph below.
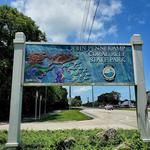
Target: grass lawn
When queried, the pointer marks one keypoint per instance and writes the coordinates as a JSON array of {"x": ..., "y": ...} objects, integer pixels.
[
  {"x": 84, "y": 140},
  {"x": 67, "y": 115}
]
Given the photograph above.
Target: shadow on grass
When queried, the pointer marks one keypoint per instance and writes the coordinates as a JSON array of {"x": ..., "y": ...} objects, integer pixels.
[
  {"x": 49, "y": 118},
  {"x": 75, "y": 108},
  {"x": 63, "y": 115}
]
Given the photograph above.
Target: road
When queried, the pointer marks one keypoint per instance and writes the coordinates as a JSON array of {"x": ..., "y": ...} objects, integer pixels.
[{"x": 102, "y": 119}]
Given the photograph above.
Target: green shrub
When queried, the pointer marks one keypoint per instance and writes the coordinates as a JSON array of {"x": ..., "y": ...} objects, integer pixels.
[
  {"x": 84, "y": 140},
  {"x": 3, "y": 137}
]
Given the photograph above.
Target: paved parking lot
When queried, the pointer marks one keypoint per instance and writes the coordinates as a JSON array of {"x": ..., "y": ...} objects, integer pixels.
[
  {"x": 113, "y": 118},
  {"x": 102, "y": 119}
]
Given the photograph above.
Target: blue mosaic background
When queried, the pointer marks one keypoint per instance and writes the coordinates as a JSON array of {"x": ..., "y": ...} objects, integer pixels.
[{"x": 63, "y": 64}]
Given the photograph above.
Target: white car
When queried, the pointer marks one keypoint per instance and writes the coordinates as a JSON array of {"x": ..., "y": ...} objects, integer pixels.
[{"x": 108, "y": 107}]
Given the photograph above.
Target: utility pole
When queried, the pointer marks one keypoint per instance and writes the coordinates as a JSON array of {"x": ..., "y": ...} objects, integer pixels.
[{"x": 87, "y": 99}]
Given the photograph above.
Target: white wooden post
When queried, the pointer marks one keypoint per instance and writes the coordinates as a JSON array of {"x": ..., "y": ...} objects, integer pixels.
[
  {"x": 36, "y": 100},
  {"x": 69, "y": 101},
  {"x": 16, "y": 92},
  {"x": 142, "y": 114},
  {"x": 40, "y": 106}
]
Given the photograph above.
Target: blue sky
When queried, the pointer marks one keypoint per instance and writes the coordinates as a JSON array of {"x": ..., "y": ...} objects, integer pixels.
[{"x": 116, "y": 21}]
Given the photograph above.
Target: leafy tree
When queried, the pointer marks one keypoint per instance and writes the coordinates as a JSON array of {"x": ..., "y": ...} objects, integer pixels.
[
  {"x": 88, "y": 104},
  {"x": 109, "y": 98},
  {"x": 148, "y": 97},
  {"x": 56, "y": 98},
  {"x": 12, "y": 21},
  {"x": 76, "y": 101}
]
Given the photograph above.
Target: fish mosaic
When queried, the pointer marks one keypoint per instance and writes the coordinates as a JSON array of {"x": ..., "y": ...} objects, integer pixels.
[
  {"x": 64, "y": 67},
  {"x": 62, "y": 58},
  {"x": 36, "y": 58}
]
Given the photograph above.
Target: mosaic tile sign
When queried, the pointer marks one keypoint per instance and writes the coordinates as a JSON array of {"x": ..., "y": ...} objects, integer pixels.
[{"x": 82, "y": 64}]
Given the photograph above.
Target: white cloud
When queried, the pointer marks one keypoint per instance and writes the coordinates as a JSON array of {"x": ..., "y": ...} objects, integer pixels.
[
  {"x": 19, "y": 4},
  {"x": 139, "y": 19},
  {"x": 62, "y": 19},
  {"x": 98, "y": 36},
  {"x": 111, "y": 9},
  {"x": 112, "y": 30},
  {"x": 81, "y": 90}
]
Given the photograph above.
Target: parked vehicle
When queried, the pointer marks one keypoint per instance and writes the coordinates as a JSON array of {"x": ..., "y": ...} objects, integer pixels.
[
  {"x": 101, "y": 106},
  {"x": 109, "y": 107}
]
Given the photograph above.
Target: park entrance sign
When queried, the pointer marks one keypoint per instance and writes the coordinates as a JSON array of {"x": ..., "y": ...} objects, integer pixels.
[
  {"x": 45, "y": 64},
  {"x": 78, "y": 64}
]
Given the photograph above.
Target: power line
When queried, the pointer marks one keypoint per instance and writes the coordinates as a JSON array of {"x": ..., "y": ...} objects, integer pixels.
[
  {"x": 85, "y": 18},
  {"x": 83, "y": 21},
  {"x": 93, "y": 21}
]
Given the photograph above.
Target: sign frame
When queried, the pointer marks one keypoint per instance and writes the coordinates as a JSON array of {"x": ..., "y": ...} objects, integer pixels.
[
  {"x": 18, "y": 83},
  {"x": 82, "y": 84}
]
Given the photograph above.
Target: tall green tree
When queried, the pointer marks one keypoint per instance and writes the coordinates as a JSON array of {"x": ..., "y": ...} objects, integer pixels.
[
  {"x": 148, "y": 97},
  {"x": 12, "y": 21},
  {"x": 56, "y": 98},
  {"x": 76, "y": 101},
  {"x": 109, "y": 98}
]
